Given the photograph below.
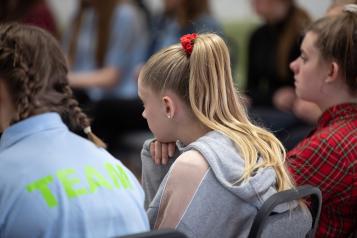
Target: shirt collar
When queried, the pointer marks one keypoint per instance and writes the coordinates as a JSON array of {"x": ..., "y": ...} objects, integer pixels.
[
  {"x": 29, "y": 126},
  {"x": 338, "y": 112}
]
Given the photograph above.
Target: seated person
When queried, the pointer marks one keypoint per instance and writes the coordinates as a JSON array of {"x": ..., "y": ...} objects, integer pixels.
[
  {"x": 226, "y": 167},
  {"x": 309, "y": 111},
  {"x": 270, "y": 83},
  {"x": 54, "y": 183},
  {"x": 32, "y": 12},
  {"x": 326, "y": 74},
  {"x": 337, "y": 6},
  {"x": 106, "y": 45}
]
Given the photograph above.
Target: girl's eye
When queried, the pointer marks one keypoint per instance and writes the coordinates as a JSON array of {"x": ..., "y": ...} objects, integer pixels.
[{"x": 304, "y": 59}]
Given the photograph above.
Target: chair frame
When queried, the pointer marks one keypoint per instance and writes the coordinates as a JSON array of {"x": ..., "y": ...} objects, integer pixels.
[{"x": 289, "y": 196}]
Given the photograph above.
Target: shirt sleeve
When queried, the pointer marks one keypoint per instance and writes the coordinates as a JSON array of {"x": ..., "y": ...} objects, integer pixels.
[
  {"x": 183, "y": 181},
  {"x": 152, "y": 175}
]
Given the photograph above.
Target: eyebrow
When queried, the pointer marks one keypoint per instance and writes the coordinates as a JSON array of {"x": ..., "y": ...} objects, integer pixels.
[{"x": 302, "y": 51}]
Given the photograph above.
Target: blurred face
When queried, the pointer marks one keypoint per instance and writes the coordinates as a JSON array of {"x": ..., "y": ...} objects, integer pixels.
[
  {"x": 261, "y": 7},
  {"x": 154, "y": 112},
  {"x": 270, "y": 10},
  {"x": 310, "y": 71},
  {"x": 170, "y": 6},
  {"x": 334, "y": 10}
]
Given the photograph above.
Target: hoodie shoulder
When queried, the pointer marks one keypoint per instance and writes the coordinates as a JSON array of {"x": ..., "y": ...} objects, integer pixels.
[{"x": 184, "y": 180}]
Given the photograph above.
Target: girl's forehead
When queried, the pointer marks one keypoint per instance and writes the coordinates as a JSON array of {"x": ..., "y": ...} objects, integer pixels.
[{"x": 309, "y": 41}]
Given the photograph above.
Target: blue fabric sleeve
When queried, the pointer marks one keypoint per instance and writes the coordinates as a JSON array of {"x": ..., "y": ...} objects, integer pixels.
[{"x": 122, "y": 37}]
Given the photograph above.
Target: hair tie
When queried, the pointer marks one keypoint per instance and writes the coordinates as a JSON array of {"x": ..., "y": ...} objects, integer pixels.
[
  {"x": 87, "y": 130},
  {"x": 187, "y": 42},
  {"x": 350, "y": 8}
]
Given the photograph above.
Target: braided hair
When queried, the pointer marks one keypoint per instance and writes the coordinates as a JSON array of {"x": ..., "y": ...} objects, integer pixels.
[{"x": 35, "y": 72}]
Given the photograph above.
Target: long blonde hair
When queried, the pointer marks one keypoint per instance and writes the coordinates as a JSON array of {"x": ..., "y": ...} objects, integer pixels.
[{"x": 204, "y": 81}]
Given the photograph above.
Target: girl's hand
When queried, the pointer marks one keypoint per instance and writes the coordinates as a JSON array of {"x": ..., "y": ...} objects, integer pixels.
[
  {"x": 307, "y": 111},
  {"x": 160, "y": 152},
  {"x": 283, "y": 99}
]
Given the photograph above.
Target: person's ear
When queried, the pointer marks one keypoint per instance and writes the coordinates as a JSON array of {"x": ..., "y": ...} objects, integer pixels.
[
  {"x": 169, "y": 106},
  {"x": 334, "y": 70}
]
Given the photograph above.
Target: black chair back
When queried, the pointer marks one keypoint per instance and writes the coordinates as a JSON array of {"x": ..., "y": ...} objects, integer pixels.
[{"x": 264, "y": 213}]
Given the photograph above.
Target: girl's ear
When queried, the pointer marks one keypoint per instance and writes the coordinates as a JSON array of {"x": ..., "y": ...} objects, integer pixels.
[
  {"x": 334, "y": 72},
  {"x": 169, "y": 106}
]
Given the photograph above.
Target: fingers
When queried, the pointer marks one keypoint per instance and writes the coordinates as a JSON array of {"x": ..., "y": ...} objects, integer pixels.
[
  {"x": 160, "y": 152},
  {"x": 152, "y": 149},
  {"x": 157, "y": 156},
  {"x": 171, "y": 149},
  {"x": 164, "y": 153}
]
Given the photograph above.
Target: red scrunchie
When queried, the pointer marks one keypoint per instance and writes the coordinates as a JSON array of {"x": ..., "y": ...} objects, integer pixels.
[{"x": 187, "y": 42}]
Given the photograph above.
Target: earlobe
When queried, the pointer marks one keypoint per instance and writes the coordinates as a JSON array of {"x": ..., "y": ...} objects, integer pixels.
[{"x": 169, "y": 106}]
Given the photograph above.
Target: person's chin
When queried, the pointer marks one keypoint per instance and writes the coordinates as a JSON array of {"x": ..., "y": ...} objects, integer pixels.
[
  {"x": 296, "y": 83},
  {"x": 298, "y": 93}
]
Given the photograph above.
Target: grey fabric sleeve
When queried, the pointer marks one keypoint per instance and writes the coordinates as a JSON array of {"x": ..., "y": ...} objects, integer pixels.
[
  {"x": 153, "y": 207},
  {"x": 152, "y": 174}
]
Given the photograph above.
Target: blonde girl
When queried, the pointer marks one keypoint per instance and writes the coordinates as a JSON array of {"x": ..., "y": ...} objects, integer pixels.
[{"x": 225, "y": 166}]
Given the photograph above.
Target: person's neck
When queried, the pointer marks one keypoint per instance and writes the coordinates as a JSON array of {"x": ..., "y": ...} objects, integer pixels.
[
  {"x": 192, "y": 132},
  {"x": 336, "y": 99}
]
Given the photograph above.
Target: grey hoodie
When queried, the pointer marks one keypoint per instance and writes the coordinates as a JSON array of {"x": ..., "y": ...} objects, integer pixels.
[{"x": 203, "y": 198}]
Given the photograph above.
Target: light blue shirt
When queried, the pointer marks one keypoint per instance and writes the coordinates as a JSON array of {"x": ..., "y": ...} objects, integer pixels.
[
  {"x": 54, "y": 183},
  {"x": 126, "y": 50}
]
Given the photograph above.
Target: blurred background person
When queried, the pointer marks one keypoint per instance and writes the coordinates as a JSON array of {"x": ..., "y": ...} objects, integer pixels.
[
  {"x": 105, "y": 45},
  {"x": 270, "y": 83},
  {"x": 32, "y": 12},
  {"x": 336, "y": 6},
  {"x": 180, "y": 17}
]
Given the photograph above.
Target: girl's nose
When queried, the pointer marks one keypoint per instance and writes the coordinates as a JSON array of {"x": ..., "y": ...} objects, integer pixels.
[{"x": 294, "y": 65}]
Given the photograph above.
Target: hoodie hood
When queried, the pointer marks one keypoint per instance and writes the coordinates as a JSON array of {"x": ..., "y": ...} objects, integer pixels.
[{"x": 227, "y": 165}]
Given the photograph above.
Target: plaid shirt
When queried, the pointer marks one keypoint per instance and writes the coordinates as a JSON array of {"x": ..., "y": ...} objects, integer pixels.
[{"x": 327, "y": 158}]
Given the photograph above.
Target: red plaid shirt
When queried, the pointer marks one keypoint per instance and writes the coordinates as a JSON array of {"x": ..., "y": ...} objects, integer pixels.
[{"x": 327, "y": 158}]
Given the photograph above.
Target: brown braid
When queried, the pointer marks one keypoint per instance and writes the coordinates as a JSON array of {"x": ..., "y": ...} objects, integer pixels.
[
  {"x": 35, "y": 71},
  {"x": 77, "y": 116},
  {"x": 20, "y": 71}
]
